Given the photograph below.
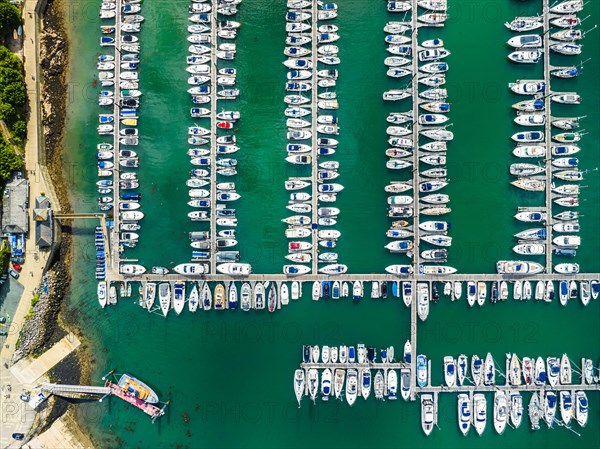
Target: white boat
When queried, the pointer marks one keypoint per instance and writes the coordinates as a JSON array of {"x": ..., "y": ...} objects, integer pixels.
[
  {"x": 164, "y": 297},
  {"x": 550, "y": 403},
  {"x": 464, "y": 413},
  {"x": 567, "y": 7},
  {"x": 517, "y": 267},
  {"x": 313, "y": 383},
  {"x": 326, "y": 378},
  {"x": 516, "y": 408},
  {"x": 480, "y": 412},
  {"x": 581, "y": 408},
  {"x": 526, "y": 41},
  {"x": 462, "y": 369},
  {"x": 423, "y": 300},
  {"x": 528, "y": 87},
  {"x": 299, "y": 384},
  {"x": 190, "y": 269},
  {"x": 178, "y": 297},
  {"x": 235, "y": 269},
  {"x": 553, "y": 370},
  {"x": 351, "y": 386},
  {"x": 477, "y": 370},
  {"x": 132, "y": 269},
  {"x": 338, "y": 382},
  {"x": 566, "y": 406},
  {"x": 500, "y": 411},
  {"x": 246, "y": 297},
  {"x": 450, "y": 371},
  {"x": 407, "y": 293},
  {"x": 489, "y": 370},
  {"x": 471, "y": 293},
  {"x": 525, "y": 23},
  {"x": 427, "y": 413},
  {"x": 392, "y": 385}
]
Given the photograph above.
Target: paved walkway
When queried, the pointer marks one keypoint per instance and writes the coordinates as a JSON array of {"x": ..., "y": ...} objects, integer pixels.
[
  {"x": 60, "y": 436},
  {"x": 15, "y": 415},
  {"x": 29, "y": 370}
]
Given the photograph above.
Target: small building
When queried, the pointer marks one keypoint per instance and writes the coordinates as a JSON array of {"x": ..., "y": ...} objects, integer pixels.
[
  {"x": 42, "y": 217},
  {"x": 15, "y": 202}
]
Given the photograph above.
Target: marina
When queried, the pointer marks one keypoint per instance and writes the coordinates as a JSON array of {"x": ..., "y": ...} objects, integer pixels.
[
  {"x": 361, "y": 215},
  {"x": 313, "y": 379}
]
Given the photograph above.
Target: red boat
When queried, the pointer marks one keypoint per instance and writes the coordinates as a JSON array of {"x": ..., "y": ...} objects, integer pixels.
[{"x": 225, "y": 125}]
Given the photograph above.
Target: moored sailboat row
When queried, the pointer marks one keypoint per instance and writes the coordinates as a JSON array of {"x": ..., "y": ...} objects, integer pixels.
[
  {"x": 120, "y": 94},
  {"x": 420, "y": 166},
  {"x": 556, "y": 139},
  {"x": 312, "y": 133}
]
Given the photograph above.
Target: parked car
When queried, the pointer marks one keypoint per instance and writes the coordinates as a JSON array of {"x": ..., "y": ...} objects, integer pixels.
[
  {"x": 18, "y": 436},
  {"x": 13, "y": 273}
]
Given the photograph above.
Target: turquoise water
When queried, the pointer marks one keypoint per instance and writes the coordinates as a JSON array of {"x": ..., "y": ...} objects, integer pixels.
[{"x": 231, "y": 373}]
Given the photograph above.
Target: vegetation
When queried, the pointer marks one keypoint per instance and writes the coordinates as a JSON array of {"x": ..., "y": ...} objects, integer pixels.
[
  {"x": 4, "y": 256},
  {"x": 10, "y": 19},
  {"x": 13, "y": 96},
  {"x": 9, "y": 162}
]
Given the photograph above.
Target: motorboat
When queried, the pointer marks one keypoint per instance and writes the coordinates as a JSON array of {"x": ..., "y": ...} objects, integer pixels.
[
  {"x": 536, "y": 119},
  {"x": 450, "y": 371},
  {"x": 477, "y": 370},
  {"x": 480, "y": 412},
  {"x": 489, "y": 374},
  {"x": 581, "y": 408},
  {"x": 423, "y": 300},
  {"x": 500, "y": 411},
  {"x": 464, "y": 413},
  {"x": 553, "y": 370},
  {"x": 549, "y": 407},
  {"x": 528, "y": 87},
  {"x": 526, "y": 41},
  {"x": 427, "y": 413},
  {"x": 433, "y": 54},
  {"x": 422, "y": 378},
  {"x": 191, "y": 269},
  {"x": 517, "y": 267},
  {"x": 164, "y": 297},
  {"x": 566, "y": 98}
]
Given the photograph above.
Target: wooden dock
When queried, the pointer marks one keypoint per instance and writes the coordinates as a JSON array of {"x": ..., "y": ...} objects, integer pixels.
[
  {"x": 416, "y": 176},
  {"x": 315, "y": 147},
  {"x": 213, "y": 138},
  {"x": 369, "y": 277},
  {"x": 548, "y": 134},
  {"x": 415, "y": 181},
  {"x": 112, "y": 251}
]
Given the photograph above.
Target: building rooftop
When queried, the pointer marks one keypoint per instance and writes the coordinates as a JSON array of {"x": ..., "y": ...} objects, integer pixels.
[
  {"x": 15, "y": 201},
  {"x": 42, "y": 216}
]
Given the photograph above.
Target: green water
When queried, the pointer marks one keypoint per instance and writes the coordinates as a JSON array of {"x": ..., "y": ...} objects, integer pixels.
[{"x": 231, "y": 373}]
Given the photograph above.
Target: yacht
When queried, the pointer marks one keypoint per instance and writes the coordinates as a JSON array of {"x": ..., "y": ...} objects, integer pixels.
[
  {"x": 479, "y": 412},
  {"x": 516, "y": 408},
  {"x": 378, "y": 385},
  {"x": 326, "y": 384},
  {"x": 450, "y": 371},
  {"x": 340, "y": 375},
  {"x": 553, "y": 370},
  {"x": 534, "y": 411},
  {"x": 565, "y": 370},
  {"x": 464, "y": 413},
  {"x": 550, "y": 408},
  {"x": 581, "y": 408},
  {"x": 313, "y": 383},
  {"x": 405, "y": 383},
  {"x": 500, "y": 411},
  {"x": 392, "y": 384},
  {"x": 299, "y": 382},
  {"x": 365, "y": 384},
  {"x": 477, "y": 370},
  {"x": 178, "y": 297},
  {"x": 422, "y": 378},
  {"x": 427, "y": 413},
  {"x": 489, "y": 374},
  {"x": 462, "y": 369},
  {"x": 566, "y": 406},
  {"x": 164, "y": 296}
]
